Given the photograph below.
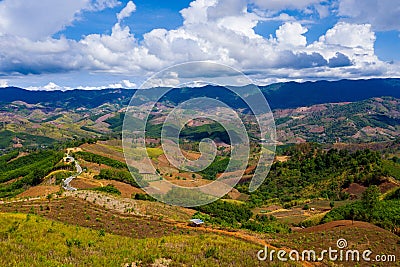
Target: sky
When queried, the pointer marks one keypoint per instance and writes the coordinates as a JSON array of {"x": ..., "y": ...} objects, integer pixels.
[{"x": 96, "y": 44}]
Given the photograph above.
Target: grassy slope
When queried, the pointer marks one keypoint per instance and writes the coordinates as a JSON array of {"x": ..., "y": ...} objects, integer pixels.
[{"x": 57, "y": 244}]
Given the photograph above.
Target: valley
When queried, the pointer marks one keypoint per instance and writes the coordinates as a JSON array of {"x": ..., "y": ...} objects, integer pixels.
[{"x": 335, "y": 174}]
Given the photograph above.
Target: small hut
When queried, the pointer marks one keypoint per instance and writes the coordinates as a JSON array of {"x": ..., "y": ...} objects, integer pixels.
[{"x": 196, "y": 222}]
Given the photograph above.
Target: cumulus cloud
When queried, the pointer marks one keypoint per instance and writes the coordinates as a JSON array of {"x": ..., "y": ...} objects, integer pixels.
[
  {"x": 3, "y": 83},
  {"x": 52, "y": 86},
  {"x": 321, "y": 8},
  {"x": 381, "y": 14},
  {"x": 129, "y": 84},
  {"x": 215, "y": 30},
  {"x": 291, "y": 34},
  {"x": 197, "y": 11},
  {"x": 40, "y": 19},
  {"x": 32, "y": 19},
  {"x": 350, "y": 35},
  {"x": 99, "y": 5},
  {"x": 339, "y": 60},
  {"x": 285, "y": 4},
  {"x": 22, "y": 55},
  {"x": 127, "y": 11},
  {"x": 117, "y": 53},
  {"x": 301, "y": 60}
]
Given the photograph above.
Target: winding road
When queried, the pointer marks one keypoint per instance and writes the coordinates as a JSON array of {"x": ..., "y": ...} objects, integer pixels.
[{"x": 67, "y": 181}]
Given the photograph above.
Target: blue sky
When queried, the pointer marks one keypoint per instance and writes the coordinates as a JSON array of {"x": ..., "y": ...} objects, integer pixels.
[{"x": 92, "y": 44}]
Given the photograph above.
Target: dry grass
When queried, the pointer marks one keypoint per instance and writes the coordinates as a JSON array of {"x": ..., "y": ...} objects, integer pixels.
[
  {"x": 35, "y": 241},
  {"x": 39, "y": 191}
]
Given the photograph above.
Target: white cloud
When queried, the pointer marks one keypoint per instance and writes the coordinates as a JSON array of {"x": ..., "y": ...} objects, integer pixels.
[
  {"x": 126, "y": 84},
  {"x": 3, "y": 83},
  {"x": 280, "y": 17},
  {"x": 221, "y": 31},
  {"x": 127, "y": 11},
  {"x": 323, "y": 11},
  {"x": 353, "y": 40},
  {"x": 351, "y": 35},
  {"x": 52, "y": 86},
  {"x": 129, "y": 84},
  {"x": 197, "y": 11},
  {"x": 381, "y": 14},
  {"x": 118, "y": 52},
  {"x": 22, "y": 55},
  {"x": 285, "y": 4},
  {"x": 37, "y": 19},
  {"x": 291, "y": 34},
  {"x": 99, "y": 5},
  {"x": 226, "y": 8},
  {"x": 169, "y": 79},
  {"x": 40, "y": 19}
]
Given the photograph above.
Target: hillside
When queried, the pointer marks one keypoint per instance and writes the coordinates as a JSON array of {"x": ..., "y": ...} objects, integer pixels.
[
  {"x": 371, "y": 120},
  {"x": 70, "y": 245},
  {"x": 299, "y": 191},
  {"x": 327, "y": 112},
  {"x": 95, "y": 236}
]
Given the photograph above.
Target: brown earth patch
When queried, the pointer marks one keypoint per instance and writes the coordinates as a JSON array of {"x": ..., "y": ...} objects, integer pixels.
[
  {"x": 103, "y": 150},
  {"x": 340, "y": 224},
  {"x": 40, "y": 190},
  {"x": 355, "y": 189},
  {"x": 82, "y": 183},
  {"x": 125, "y": 189},
  {"x": 360, "y": 235},
  {"x": 234, "y": 194},
  {"x": 250, "y": 170},
  {"x": 319, "y": 129},
  {"x": 387, "y": 186},
  {"x": 78, "y": 212},
  {"x": 282, "y": 158}
]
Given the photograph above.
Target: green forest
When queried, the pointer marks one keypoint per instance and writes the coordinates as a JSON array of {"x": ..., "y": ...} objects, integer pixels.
[
  {"x": 313, "y": 172},
  {"x": 26, "y": 171}
]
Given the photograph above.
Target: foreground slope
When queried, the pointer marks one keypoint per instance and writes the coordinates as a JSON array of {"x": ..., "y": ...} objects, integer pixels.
[{"x": 28, "y": 240}]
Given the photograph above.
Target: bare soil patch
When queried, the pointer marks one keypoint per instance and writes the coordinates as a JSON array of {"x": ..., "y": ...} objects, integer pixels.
[
  {"x": 76, "y": 211},
  {"x": 40, "y": 190},
  {"x": 104, "y": 150},
  {"x": 360, "y": 236},
  {"x": 355, "y": 189}
]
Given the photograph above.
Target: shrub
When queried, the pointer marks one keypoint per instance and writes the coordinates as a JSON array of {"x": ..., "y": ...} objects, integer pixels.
[
  {"x": 139, "y": 196},
  {"x": 108, "y": 189}
]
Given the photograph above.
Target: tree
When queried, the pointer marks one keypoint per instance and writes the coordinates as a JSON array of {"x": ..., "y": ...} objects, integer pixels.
[
  {"x": 49, "y": 198},
  {"x": 354, "y": 213},
  {"x": 370, "y": 199}
]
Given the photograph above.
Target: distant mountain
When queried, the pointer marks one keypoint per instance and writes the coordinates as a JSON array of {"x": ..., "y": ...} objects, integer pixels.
[
  {"x": 368, "y": 111},
  {"x": 67, "y": 99},
  {"x": 279, "y": 96},
  {"x": 292, "y": 95}
]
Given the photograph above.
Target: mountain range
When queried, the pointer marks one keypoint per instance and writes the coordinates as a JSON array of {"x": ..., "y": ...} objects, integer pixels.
[
  {"x": 279, "y": 95},
  {"x": 349, "y": 111}
]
